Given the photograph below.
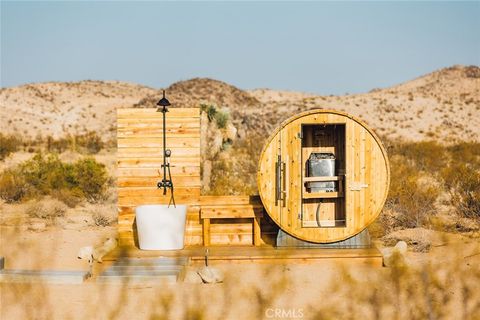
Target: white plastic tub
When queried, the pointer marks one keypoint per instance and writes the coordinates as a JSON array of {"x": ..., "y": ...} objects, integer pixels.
[{"x": 160, "y": 227}]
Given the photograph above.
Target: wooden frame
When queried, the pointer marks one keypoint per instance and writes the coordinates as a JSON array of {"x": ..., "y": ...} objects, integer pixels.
[{"x": 365, "y": 182}]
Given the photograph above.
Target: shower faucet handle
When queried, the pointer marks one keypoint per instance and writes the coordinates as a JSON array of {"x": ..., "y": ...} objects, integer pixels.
[{"x": 168, "y": 153}]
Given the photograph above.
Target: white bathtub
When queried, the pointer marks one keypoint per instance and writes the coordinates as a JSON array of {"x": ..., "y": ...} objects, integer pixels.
[{"x": 160, "y": 227}]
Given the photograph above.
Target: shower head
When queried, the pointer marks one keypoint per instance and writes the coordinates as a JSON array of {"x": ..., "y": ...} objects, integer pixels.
[{"x": 164, "y": 103}]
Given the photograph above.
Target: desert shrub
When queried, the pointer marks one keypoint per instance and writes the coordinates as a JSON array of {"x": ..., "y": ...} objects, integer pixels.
[
  {"x": 426, "y": 156},
  {"x": 58, "y": 145},
  {"x": 90, "y": 142},
  {"x": 47, "y": 173},
  {"x": 8, "y": 144},
  {"x": 91, "y": 177},
  {"x": 221, "y": 117},
  {"x": 68, "y": 182},
  {"x": 412, "y": 199},
  {"x": 71, "y": 197},
  {"x": 101, "y": 220},
  {"x": 13, "y": 186},
  {"x": 467, "y": 152},
  {"x": 46, "y": 208},
  {"x": 463, "y": 183},
  {"x": 210, "y": 110}
]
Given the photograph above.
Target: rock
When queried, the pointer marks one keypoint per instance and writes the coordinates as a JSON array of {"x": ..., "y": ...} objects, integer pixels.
[
  {"x": 395, "y": 255},
  {"x": 419, "y": 239},
  {"x": 210, "y": 275},
  {"x": 37, "y": 226},
  {"x": 192, "y": 277}
]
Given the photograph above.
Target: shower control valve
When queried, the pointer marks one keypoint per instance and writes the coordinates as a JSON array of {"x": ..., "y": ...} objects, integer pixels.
[{"x": 165, "y": 184}]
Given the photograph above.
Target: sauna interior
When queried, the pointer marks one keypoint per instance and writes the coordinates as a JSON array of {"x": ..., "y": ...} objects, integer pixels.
[{"x": 323, "y": 175}]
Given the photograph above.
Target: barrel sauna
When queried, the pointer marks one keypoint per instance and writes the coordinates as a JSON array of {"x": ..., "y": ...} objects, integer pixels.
[{"x": 323, "y": 176}]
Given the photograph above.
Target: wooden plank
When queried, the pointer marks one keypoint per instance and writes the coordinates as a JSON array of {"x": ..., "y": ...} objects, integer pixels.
[
  {"x": 155, "y": 192},
  {"x": 172, "y": 142},
  {"x": 158, "y": 132},
  {"x": 230, "y": 213},
  {"x": 267, "y": 254},
  {"x": 139, "y": 200},
  {"x": 229, "y": 200},
  {"x": 147, "y": 152},
  {"x": 193, "y": 171},
  {"x": 206, "y": 232},
  {"x": 125, "y": 125},
  {"x": 155, "y": 122},
  {"x": 149, "y": 113},
  {"x": 256, "y": 231},
  {"x": 318, "y": 179},
  {"x": 321, "y": 195},
  {"x": 184, "y": 181},
  {"x": 156, "y": 162}
]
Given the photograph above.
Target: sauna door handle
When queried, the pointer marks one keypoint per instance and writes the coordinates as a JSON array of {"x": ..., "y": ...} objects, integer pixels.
[
  {"x": 278, "y": 180},
  {"x": 281, "y": 181},
  {"x": 285, "y": 182}
]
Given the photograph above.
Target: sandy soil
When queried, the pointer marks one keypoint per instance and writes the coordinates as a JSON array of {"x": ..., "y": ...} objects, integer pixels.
[{"x": 250, "y": 291}]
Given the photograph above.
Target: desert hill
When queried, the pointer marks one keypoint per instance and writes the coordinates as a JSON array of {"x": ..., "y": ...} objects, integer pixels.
[
  {"x": 60, "y": 108},
  {"x": 443, "y": 105}
]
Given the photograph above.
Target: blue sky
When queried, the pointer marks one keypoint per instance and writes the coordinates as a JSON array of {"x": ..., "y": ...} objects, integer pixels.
[{"x": 325, "y": 48}]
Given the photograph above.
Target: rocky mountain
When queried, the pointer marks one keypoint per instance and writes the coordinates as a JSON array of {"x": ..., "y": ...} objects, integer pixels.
[{"x": 443, "y": 105}]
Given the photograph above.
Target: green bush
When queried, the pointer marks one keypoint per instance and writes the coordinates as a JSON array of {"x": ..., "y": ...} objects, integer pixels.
[
  {"x": 13, "y": 186},
  {"x": 48, "y": 175},
  {"x": 8, "y": 144},
  {"x": 210, "y": 110},
  {"x": 220, "y": 117},
  {"x": 91, "y": 178}
]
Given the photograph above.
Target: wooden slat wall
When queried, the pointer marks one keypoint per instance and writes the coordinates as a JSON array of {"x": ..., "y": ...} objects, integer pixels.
[{"x": 140, "y": 156}]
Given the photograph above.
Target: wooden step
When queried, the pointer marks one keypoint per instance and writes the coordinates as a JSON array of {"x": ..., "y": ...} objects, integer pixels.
[{"x": 264, "y": 254}]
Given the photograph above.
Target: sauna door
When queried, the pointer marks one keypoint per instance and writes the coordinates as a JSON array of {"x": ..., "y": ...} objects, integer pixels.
[
  {"x": 300, "y": 207},
  {"x": 290, "y": 152}
]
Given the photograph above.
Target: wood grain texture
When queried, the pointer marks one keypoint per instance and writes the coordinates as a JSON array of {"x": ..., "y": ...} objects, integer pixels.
[
  {"x": 361, "y": 161},
  {"x": 140, "y": 156}
]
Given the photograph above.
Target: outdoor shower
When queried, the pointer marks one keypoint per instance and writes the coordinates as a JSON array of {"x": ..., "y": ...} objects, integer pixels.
[{"x": 166, "y": 183}]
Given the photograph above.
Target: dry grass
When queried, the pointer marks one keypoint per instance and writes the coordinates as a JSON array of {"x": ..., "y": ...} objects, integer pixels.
[{"x": 47, "y": 208}]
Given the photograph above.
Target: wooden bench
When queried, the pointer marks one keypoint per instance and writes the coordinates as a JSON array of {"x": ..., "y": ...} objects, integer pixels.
[{"x": 229, "y": 209}]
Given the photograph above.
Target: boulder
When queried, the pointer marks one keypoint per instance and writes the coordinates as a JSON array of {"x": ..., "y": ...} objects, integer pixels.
[{"x": 395, "y": 255}]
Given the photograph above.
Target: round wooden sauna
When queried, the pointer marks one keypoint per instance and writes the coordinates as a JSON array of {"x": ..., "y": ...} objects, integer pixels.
[{"x": 323, "y": 176}]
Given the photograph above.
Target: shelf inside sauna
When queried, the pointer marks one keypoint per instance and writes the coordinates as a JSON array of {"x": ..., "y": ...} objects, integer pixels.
[{"x": 323, "y": 175}]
